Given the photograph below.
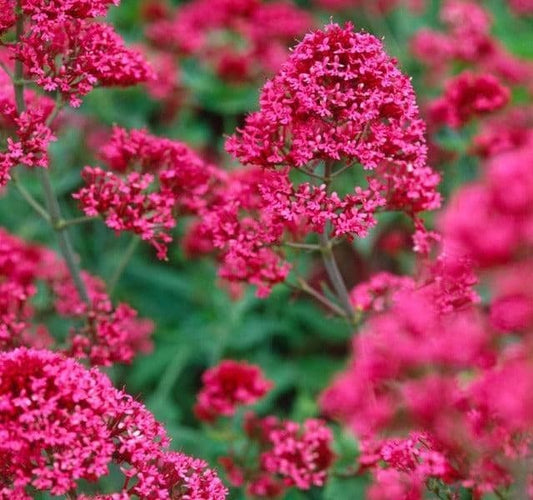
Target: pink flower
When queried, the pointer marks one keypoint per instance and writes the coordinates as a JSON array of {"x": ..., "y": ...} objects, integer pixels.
[
  {"x": 227, "y": 386},
  {"x": 73, "y": 56},
  {"x": 340, "y": 100},
  {"x": 62, "y": 423},
  {"x": 301, "y": 454},
  {"x": 375, "y": 293},
  {"x": 522, "y": 6},
  {"x": 338, "y": 97},
  {"x": 173, "y": 180},
  {"x": 468, "y": 96},
  {"x": 128, "y": 205},
  {"x": 263, "y": 31}
]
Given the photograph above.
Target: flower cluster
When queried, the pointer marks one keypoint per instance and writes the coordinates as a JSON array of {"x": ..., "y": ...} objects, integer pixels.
[
  {"x": 468, "y": 96},
  {"x": 103, "y": 333},
  {"x": 238, "y": 223},
  {"x": 289, "y": 454},
  {"x": 467, "y": 38},
  {"x": 427, "y": 335},
  {"x": 490, "y": 223},
  {"x": 20, "y": 265},
  {"x": 522, "y": 6},
  {"x": 300, "y": 453},
  {"x": 240, "y": 40},
  {"x": 334, "y": 76},
  {"x": 64, "y": 424},
  {"x": 29, "y": 133},
  {"x": 107, "y": 334},
  {"x": 128, "y": 197},
  {"x": 228, "y": 385},
  {"x": 339, "y": 99},
  {"x": 63, "y": 49},
  {"x": 506, "y": 131}
]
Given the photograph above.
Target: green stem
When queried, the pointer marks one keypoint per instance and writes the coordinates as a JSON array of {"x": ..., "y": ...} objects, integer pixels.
[
  {"x": 75, "y": 221},
  {"x": 62, "y": 235},
  {"x": 330, "y": 263},
  {"x": 305, "y": 287},
  {"x": 335, "y": 275},
  {"x": 302, "y": 246},
  {"x": 39, "y": 209},
  {"x": 52, "y": 204},
  {"x": 128, "y": 254}
]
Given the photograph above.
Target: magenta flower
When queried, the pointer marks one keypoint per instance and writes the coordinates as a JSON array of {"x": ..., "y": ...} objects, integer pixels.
[{"x": 227, "y": 386}]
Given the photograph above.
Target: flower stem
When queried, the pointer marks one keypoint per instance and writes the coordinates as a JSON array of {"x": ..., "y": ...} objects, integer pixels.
[
  {"x": 52, "y": 204},
  {"x": 330, "y": 263},
  {"x": 39, "y": 209},
  {"x": 128, "y": 254},
  {"x": 335, "y": 275},
  {"x": 307, "y": 288},
  {"x": 62, "y": 235}
]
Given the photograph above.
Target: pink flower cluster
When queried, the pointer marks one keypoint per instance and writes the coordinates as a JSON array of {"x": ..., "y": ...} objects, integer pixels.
[
  {"x": 428, "y": 336},
  {"x": 340, "y": 99},
  {"x": 103, "y": 333},
  {"x": 288, "y": 454},
  {"x": 374, "y": 7},
  {"x": 228, "y": 385},
  {"x": 468, "y": 96},
  {"x": 522, "y": 6},
  {"x": 20, "y": 265},
  {"x": 239, "y": 39},
  {"x": 64, "y": 49},
  {"x": 467, "y": 39},
  {"x": 107, "y": 334},
  {"x": 330, "y": 78},
  {"x": 62, "y": 424},
  {"x": 151, "y": 180},
  {"x": 506, "y": 131},
  {"x": 29, "y": 135},
  {"x": 490, "y": 220},
  {"x": 238, "y": 223},
  {"x": 300, "y": 453}
]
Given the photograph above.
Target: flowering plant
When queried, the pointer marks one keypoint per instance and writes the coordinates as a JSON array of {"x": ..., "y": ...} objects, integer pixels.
[{"x": 318, "y": 290}]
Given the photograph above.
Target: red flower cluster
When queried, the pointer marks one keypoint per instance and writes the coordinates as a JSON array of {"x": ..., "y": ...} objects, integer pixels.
[
  {"x": 239, "y": 39},
  {"x": 468, "y": 96},
  {"x": 467, "y": 38},
  {"x": 330, "y": 78},
  {"x": 74, "y": 56},
  {"x": 107, "y": 334},
  {"x": 132, "y": 200},
  {"x": 429, "y": 338},
  {"x": 504, "y": 132},
  {"x": 63, "y": 49},
  {"x": 29, "y": 135},
  {"x": 104, "y": 334},
  {"x": 238, "y": 222},
  {"x": 289, "y": 454},
  {"x": 489, "y": 223},
  {"x": 340, "y": 98},
  {"x": 228, "y": 385},
  {"x": 62, "y": 424},
  {"x": 522, "y": 6},
  {"x": 300, "y": 454}
]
